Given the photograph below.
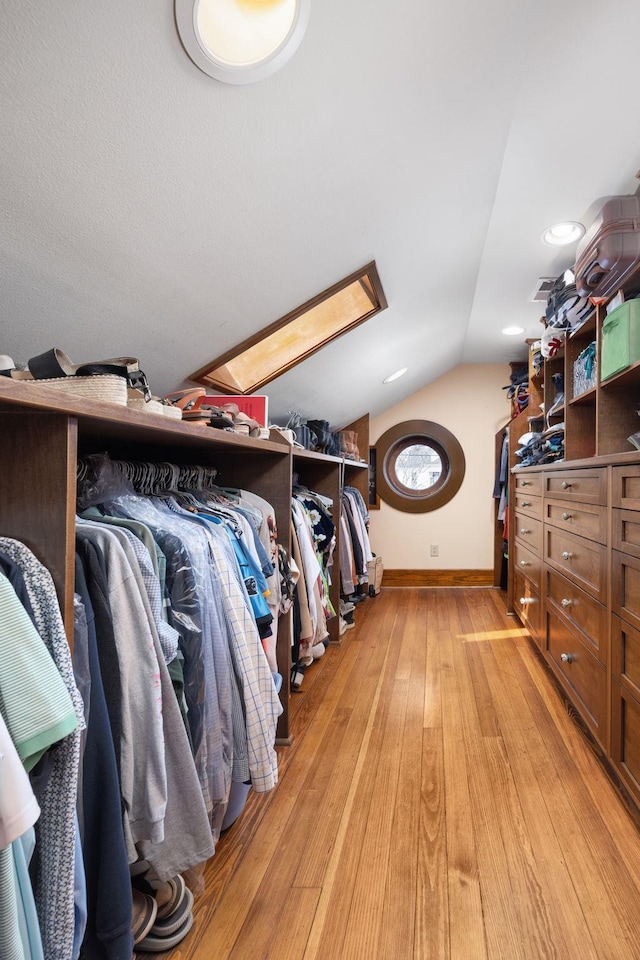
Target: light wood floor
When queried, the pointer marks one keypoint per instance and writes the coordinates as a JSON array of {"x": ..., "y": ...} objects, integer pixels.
[{"x": 438, "y": 803}]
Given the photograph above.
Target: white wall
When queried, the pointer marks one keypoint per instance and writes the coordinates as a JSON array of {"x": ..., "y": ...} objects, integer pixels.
[{"x": 470, "y": 402}]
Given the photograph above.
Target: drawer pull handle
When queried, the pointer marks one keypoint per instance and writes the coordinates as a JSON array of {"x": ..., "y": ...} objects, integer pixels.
[
  {"x": 526, "y": 503},
  {"x": 566, "y": 555},
  {"x": 525, "y": 563},
  {"x": 567, "y": 657},
  {"x": 565, "y": 602},
  {"x": 525, "y": 483},
  {"x": 525, "y": 600},
  {"x": 566, "y": 516},
  {"x": 524, "y": 531},
  {"x": 565, "y": 484}
]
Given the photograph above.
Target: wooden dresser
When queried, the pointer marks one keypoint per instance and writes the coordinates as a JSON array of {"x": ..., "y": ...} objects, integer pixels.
[
  {"x": 625, "y": 624},
  {"x": 575, "y": 585}
]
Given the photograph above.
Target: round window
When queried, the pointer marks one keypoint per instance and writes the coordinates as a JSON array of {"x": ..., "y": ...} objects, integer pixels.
[{"x": 421, "y": 466}]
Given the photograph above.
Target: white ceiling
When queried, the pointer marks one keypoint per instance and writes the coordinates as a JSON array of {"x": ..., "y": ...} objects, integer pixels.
[{"x": 149, "y": 210}]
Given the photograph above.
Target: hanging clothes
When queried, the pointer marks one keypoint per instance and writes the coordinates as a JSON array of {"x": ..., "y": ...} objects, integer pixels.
[
  {"x": 357, "y": 547},
  {"x": 56, "y": 791}
]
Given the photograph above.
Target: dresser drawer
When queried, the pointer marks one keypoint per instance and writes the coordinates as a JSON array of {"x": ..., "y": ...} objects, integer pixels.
[
  {"x": 527, "y": 564},
  {"x": 625, "y": 534},
  {"x": 528, "y": 606},
  {"x": 580, "y": 609},
  {"x": 584, "y": 519},
  {"x": 625, "y": 655},
  {"x": 528, "y": 504},
  {"x": 625, "y": 487},
  {"x": 587, "y": 486},
  {"x": 625, "y": 738},
  {"x": 583, "y": 561},
  {"x": 584, "y": 677},
  {"x": 528, "y": 483},
  {"x": 625, "y": 587},
  {"x": 528, "y": 531}
]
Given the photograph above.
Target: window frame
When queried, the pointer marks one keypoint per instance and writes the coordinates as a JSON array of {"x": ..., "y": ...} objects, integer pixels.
[{"x": 424, "y": 432}]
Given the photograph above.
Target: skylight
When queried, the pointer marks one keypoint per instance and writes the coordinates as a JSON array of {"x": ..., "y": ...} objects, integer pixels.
[{"x": 301, "y": 333}]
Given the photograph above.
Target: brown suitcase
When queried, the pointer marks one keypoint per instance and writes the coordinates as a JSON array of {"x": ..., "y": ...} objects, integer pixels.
[{"x": 608, "y": 255}]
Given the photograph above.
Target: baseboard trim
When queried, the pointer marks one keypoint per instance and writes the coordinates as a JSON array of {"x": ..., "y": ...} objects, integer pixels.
[{"x": 437, "y": 578}]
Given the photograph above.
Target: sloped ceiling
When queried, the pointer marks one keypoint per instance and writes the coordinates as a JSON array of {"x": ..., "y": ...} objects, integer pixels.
[{"x": 149, "y": 210}]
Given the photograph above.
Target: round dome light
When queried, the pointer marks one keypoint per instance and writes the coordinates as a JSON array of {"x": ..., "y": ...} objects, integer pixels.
[
  {"x": 241, "y": 41},
  {"x": 559, "y": 234},
  {"x": 513, "y": 331}
]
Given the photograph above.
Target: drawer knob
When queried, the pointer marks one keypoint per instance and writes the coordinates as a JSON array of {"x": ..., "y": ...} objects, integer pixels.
[
  {"x": 567, "y": 657},
  {"x": 525, "y": 483},
  {"x": 525, "y": 600},
  {"x": 526, "y": 503},
  {"x": 565, "y": 484},
  {"x": 566, "y": 516},
  {"x": 566, "y": 555},
  {"x": 565, "y": 602},
  {"x": 524, "y": 563},
  {"x": 524, "y": 531}
]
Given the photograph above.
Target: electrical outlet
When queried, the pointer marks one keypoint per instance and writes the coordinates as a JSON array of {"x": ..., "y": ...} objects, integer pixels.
[{"x": 435, "y": 550}]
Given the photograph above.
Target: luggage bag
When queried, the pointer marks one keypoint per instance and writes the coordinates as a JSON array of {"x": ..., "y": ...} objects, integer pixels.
[{"x": 609, "y": 253}]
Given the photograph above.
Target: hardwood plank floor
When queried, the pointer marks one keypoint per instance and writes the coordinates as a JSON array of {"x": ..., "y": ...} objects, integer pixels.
[{"x": 438, "y": 802}]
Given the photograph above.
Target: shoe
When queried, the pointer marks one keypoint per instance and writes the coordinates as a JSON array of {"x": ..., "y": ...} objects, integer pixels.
[
  {"x": 145, "y": 911},
  {"x": 242, "y": 423},
  {"x": 116, "y": 380},
  {"x": 169, "y": 896},
  {"x": 171, "y": 922},
  {"x": 168, "y": 933},
  {"x": 297, "y": 676}
]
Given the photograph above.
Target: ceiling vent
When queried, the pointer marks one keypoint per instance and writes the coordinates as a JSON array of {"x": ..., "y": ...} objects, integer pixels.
[{"x": 542, "y": 289}]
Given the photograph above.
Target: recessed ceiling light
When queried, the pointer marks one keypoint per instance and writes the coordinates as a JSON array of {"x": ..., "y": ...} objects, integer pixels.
[
  {"x": 395, "y": 376},
  {"x": 241, "y": 41},
  {"x": 559, "y": 234},
  {"x": 513, "y": 331}
]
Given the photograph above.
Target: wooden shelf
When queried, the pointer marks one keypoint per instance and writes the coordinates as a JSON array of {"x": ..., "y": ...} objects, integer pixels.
[
  {"x": 588, "y": 397},
  {"x": 627, "y": 377},
  {"x": 44, "y": 432}
]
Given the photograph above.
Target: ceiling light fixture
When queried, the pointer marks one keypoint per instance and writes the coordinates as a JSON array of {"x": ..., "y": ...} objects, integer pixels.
[
  {"x": 559, "y": 234},
  {"x": 241, "y": 41},
  {"x": 512, "y": 331},
  {"x": 395, "y": 376}
]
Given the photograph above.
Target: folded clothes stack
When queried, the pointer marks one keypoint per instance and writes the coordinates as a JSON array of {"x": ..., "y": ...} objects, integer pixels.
[{"x": 544, "y": 447}]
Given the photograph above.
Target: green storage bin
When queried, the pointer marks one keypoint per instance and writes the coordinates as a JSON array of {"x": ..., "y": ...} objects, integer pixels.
[{"x": 620, "y": 339}]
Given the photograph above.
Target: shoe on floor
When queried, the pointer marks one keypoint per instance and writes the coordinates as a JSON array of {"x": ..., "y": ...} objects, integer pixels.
[
  {"x": 157, "y": 944},
  {"x": 145, "y": 911},
  {"x": 167, "y": 933},
  {"x": 169, "y": 896}
]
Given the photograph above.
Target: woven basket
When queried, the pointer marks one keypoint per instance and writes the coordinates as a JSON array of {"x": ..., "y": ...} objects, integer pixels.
[{"x": 104, "y": 386}]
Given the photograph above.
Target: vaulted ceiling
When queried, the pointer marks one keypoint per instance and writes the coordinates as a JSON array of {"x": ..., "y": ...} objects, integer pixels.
[{"x": 149, "y": 210}]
